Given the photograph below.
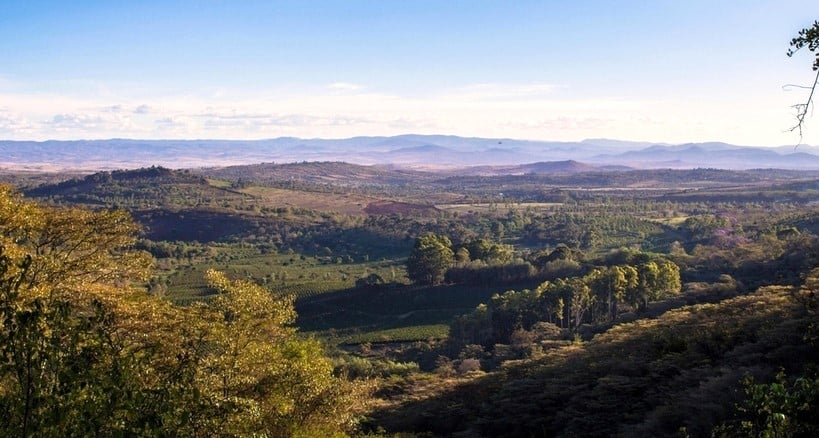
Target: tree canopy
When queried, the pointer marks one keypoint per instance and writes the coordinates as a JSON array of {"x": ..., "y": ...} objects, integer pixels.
[
  {"x": 84, "y": 350},
  {"x": 429, "y": 259}
]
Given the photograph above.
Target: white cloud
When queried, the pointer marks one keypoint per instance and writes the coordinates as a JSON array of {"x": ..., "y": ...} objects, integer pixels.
[
  {"x": 15, "y": 125},
  {"x": 173, "y": 126},
  {"x": 495, "y": 91},
  {"x": 344, "y": 86},
  {"x": 528, "y": 110},
  {"x": 76, "y": 121}
]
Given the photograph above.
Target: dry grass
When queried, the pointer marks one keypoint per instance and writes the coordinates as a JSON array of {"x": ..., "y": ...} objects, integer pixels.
[{"x": 350, "y": 204}]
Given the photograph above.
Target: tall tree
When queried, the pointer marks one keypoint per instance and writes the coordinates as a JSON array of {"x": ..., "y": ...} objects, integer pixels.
[
  {"x": 430, "y": 258},
  {"x": 656, "y": 279},
  {"x": 610, "y": 286}
]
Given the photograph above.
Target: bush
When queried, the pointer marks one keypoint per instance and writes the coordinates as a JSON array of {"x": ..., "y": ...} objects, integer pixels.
[
  {"x": 469, "y": 365},
  {"x": 361, "y": 368}
]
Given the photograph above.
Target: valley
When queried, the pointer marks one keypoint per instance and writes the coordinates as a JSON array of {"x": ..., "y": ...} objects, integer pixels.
[
  {"x": 521, "y": 303},
  {"x": 386, "y": 219}
]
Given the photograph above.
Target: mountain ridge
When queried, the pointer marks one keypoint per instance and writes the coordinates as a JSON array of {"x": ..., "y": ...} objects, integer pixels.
[{"x": 402, "y": 150}]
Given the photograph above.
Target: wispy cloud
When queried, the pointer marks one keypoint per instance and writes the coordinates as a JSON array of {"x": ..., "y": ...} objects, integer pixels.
[
  {"x": 13, "y": 124},
  {"x": 90, "y": 122},
  {"x": 76, "y": 121},
  {"x": 525, "y": 110},
  {"x": 344, "y": 86},
  {"x": 173, "y": 126},
  {"x": 562, "y": 123},
  {"x": 498, "y": 91},
  {"x": 112, "y": 109}
]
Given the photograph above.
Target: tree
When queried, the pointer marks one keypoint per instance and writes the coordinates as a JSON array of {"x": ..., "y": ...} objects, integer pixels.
[
  {"x": 462, "y": 255},
  {"x": 86, "y": 351},
  {"x": 807, "y": 37},
  {"x": 430, "y": 258},
  {"x": 668, "y": 280},
  {"x": 568, "y": 299},
  {"x": 657, "y": 279},
  {"x": 581, "y": 299},
  {"x": 782, "y": 408},
  {"x": 611, "y": 286},
  {"x": 269, "y": 381},
  {"x": 73, "y": 358}
]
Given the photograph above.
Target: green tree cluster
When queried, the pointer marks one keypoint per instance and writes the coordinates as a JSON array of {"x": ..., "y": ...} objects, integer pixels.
[{"x": 569, "y": 302}]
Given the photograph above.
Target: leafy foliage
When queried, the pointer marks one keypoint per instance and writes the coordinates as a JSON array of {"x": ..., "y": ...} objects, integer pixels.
[
  {"x": 84, "y": 352},
  {"x": 807, "y": 38},
  {"x": 310, "y": 236},
  {"x": 429, "y": 259},
  {"x": 778, "y": 409},
  {"x": 568, "y": 302}
]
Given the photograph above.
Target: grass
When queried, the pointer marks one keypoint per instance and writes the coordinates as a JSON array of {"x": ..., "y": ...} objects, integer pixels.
[
  {"x": 391, "y": 313},
  {"x": 220, "y": 183},
  {"x": 293, "y": 274},
  {"x": 350, "y": 204},
  {"x": 671, "y": 221},
  {"x": 400, "y": 334},
  {"x": 327, "y": 300}
]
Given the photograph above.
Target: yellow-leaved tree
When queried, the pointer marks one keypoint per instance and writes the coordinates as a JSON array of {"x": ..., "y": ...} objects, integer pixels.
[
  {"x": 269, "y": 379},
  {"x": 85, "y": 351}
]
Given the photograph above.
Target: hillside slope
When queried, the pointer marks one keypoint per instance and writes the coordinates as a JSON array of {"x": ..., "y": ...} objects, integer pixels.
[{"x": 653, "y": 377}]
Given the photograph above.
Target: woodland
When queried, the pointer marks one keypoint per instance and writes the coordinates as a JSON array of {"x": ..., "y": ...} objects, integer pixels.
[
  {"x": 329, "y": 299},
  {"x": 262, "y": 300}
]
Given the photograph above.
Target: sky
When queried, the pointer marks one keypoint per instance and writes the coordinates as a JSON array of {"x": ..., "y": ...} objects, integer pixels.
[{"x": 661, "y": 71}]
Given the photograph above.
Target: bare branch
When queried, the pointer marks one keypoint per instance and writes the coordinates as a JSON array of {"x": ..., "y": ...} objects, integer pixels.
[
  {"x": 805, "y": 38},
  {"x": 803, "y": 108},
  {"x": 787, "y": 87}
]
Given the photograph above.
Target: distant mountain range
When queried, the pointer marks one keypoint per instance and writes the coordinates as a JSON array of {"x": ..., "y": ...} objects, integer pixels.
[{"x": 410, "y": 151}]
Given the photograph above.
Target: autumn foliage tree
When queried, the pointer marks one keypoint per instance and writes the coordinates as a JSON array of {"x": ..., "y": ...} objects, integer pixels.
[{"x": 85, "y": 351}]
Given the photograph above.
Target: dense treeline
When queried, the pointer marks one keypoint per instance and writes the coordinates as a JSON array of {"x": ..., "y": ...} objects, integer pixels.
[{"x": 597, "y": 297}]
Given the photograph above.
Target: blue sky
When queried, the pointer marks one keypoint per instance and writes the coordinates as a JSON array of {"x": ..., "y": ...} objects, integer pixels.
[{"x": 669, "y": 71}]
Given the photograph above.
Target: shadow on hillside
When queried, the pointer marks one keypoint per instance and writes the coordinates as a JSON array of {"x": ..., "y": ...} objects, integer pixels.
[
  {"x": 193, "y": 225},
  {"x": 392, "y": 306},
  {"x": 652, "y": 377}
]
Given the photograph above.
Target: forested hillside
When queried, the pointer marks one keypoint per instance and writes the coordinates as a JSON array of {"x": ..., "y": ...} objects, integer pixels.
[{"x": 623, "y": 302}]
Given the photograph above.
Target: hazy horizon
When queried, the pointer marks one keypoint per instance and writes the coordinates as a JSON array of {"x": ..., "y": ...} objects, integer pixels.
[{"x": 411, "y": 134}]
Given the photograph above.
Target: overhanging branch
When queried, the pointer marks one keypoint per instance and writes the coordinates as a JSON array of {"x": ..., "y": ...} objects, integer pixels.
[{"x": 802, "y": 109}]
